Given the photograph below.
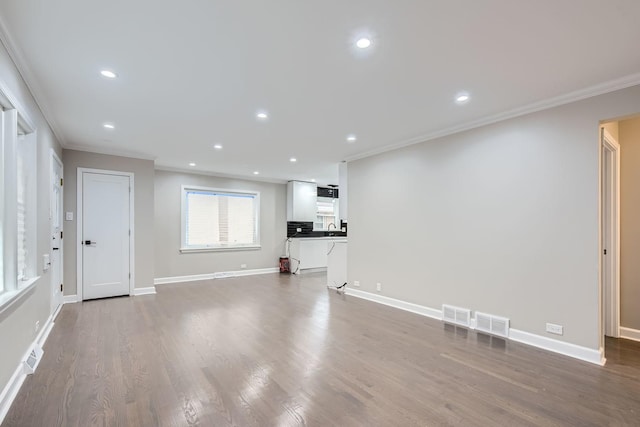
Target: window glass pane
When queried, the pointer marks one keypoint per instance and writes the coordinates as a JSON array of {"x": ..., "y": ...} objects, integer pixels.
[{"x": 22, "y": 216}]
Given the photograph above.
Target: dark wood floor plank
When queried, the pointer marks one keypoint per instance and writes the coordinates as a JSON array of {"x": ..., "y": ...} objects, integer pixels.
[{"x": 279, "y": 350}]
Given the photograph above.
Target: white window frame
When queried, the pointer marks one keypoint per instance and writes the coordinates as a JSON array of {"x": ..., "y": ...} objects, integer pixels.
[
  {"x": 221, "y": 191},
  {"x": 19, "y": 129}
]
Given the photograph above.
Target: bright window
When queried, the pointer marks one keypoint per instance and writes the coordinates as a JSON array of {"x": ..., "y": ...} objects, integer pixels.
[
  {"x": 327, "y": 214},
  {"x": 214, "y": 219}
]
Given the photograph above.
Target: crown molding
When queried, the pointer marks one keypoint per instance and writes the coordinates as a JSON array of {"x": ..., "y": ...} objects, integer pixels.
[
  {"x": 545, "y": 104},
  {"x": 28, "y": 77},
  {"x": 109, "y": 151},
  {"x": 220, "y": 175}
]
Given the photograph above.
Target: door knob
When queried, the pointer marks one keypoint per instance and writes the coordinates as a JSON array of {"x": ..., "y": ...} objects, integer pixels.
[{"x": 89, "y": 242}]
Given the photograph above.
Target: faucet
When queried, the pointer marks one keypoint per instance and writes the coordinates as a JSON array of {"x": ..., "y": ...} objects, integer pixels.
[{"x": 329, "y": 226}]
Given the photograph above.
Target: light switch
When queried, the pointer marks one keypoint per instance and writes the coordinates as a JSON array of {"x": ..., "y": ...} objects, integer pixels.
[{"x": 68, "y": 216}]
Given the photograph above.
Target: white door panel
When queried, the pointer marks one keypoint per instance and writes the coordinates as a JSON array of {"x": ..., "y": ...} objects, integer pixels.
[
  {"x": 105, "y": 224},
  {"x": 56, "y": 233}
]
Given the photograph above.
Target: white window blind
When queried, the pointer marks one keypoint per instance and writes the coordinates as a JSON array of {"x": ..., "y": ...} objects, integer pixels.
[
  {"x": 22, "y": 181},
  {"x": 219, "y": 219}
]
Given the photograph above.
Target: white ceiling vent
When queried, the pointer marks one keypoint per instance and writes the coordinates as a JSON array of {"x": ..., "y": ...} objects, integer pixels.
[
  {"x": 491, "y": 324},
  {"x": 32, "y": 361},
  {"x": 456, "y": 315}
]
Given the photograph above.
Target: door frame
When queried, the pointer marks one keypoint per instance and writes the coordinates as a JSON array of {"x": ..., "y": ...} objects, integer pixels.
[
  {"x": 612, "y": 309},
  {"x": 79, "y": 260},
  {"x": 54, "y": 286}
]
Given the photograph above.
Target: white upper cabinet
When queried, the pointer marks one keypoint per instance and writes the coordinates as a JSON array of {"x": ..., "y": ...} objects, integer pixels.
[{"x": 301, "y": 201}]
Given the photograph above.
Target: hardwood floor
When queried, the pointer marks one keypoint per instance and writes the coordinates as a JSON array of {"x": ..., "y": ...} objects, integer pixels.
[{"x": 278, "y": 350}]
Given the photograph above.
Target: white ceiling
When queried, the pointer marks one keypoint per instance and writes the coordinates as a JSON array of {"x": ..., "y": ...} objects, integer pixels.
[{"x": 194, "y": 73}]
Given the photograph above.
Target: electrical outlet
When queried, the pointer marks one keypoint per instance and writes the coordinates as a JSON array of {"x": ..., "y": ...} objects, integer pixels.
[
  {"x": 298, "y": 230},
  {"x": 379, "y": 286},
  {"x": 243, "y": 265},
  {"x": 37, "y": 325},
  {"x": 356, "y": 283},
  {"x": 555, "y": 329}
]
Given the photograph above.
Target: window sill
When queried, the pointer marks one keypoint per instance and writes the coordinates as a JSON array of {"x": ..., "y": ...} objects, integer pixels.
[
  {"x": 220, "y": 249},
  {"x": 7, "y": 299}
]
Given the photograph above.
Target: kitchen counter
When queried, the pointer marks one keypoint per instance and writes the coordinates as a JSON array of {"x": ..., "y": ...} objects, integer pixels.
[{"x": 310, "y": 254}]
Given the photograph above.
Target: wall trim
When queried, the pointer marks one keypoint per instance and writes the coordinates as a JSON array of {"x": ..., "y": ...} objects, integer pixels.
[
  {"x": 11, "y": 389},
  {"x": 630, "y": 334},
  {"x": 565, "y": 348},
  {"x": 545, "y": 104},
  {"x": 392, "y": 302},
  {"x": 218, "y": 275},
  {"x": 70, "y": 299},
  {"x": 151, "y": 290}
]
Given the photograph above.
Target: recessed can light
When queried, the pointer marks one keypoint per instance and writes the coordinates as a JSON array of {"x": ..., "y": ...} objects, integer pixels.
[
  {"x": 461, "y": 98},
  {"x": 256, "y": 173},
  {"x": 108, "y": 126},
  {"x": 108, "y": 74},
  {"x": 351, "y": 138},
  {"x": 262, "y": 115},
  {"x": 293, "y": 160},
  {"x": 313, "y": 180},
  {"x": 192, "y": 164},
  {"x": 363, "y": 43},
  {"x": 217, "y": 146}
]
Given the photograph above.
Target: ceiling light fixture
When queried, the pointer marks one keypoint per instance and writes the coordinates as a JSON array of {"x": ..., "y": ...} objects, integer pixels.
[
  {"x": 363, "y": 43},
  {"x": 108, "y": 74},
  {"x": 192, "y": 164},
  {"x": 256, "y": 173},
  {"x": 262, "y": 115},
  {"x": 462, "y": 98},
  {"x": 108, "y": 126},
  {"x": 313, "y": 180},
  {"x": 351, "y": 138},
  {"x": 293, "y": 160},
  {"x": 217, "y": 147}
]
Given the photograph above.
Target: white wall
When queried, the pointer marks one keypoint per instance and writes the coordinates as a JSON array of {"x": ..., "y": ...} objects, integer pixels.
[
  {"x": 17, "y": 325},
  {"x": 170, "y": 262},
  {"x": 502, "y": 219}
]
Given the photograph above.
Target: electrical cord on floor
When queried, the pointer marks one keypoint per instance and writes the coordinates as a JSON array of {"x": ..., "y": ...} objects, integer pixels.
[
  {"x": 288, "y": 253},
  {"x": 339, "y": 289},
  {"x": 331, "y": 250}
]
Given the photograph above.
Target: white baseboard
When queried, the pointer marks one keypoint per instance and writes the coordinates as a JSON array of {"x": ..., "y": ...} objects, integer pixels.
[
  {"x": 209, "y": 276},
  {"x": 70, "y": 299},
  {"x": 402, "y": 305},
  {"x": 567, "y": 349},
  {"x": 629, "y": 334},
  {"x": 151, "y": 290},
  {"x": 12, "y": 388}
]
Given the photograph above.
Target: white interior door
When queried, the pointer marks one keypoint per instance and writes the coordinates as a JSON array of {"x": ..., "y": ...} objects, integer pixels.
[
  {"x": 56, "y": 232},
  {"x": 105, "y": 235},
  {"x": 610, "y": 235}
]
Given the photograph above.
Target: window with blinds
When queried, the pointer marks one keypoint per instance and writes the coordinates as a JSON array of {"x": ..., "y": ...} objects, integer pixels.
[{"x": 219, "y": 219}]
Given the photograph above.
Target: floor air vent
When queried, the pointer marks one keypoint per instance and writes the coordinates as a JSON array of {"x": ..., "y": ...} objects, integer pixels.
[
  {"x": 31, "y": 363},
  {"x": 494, "y": 325},
  {"x": 456, "y": 315}
]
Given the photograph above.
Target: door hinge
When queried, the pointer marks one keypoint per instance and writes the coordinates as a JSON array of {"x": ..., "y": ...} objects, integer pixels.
[
  {"x": 129, "y": 275},
  {"x": 605, "y": 251},
  {"x": 61, "y": 182},
  {"x": 61, "y": 287},
  {"x": 129, "y": 232},
  {"x": 61, "y": 234}
]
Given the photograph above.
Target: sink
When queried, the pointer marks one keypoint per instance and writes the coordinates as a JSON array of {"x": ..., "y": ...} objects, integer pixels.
[{"x": 336, "y": 233}]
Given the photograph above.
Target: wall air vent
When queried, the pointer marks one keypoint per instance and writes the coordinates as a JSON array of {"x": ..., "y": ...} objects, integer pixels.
[
  {"x": 32, "y": 361},
  {"x": 456, "y": 315},
  {"x": 491, "y": 324}
]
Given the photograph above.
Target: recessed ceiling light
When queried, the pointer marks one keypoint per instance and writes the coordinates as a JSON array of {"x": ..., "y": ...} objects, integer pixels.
[
  {"x": 363, "y": 43},
  {"x": 218, "y": 147},
  {"x": 351, "y": 138},
  {"x": 108, "y": 74},
  {"x": 262, "y": 115},
  {"x": 108, "y": 126},
  {"x": 461, "y": 98},
  {"x": 192, "y": 164},
  {"x": 313, "y": 180},
  {"x": 293, "y": 160},
  {"x": 256, "y": 173}
]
